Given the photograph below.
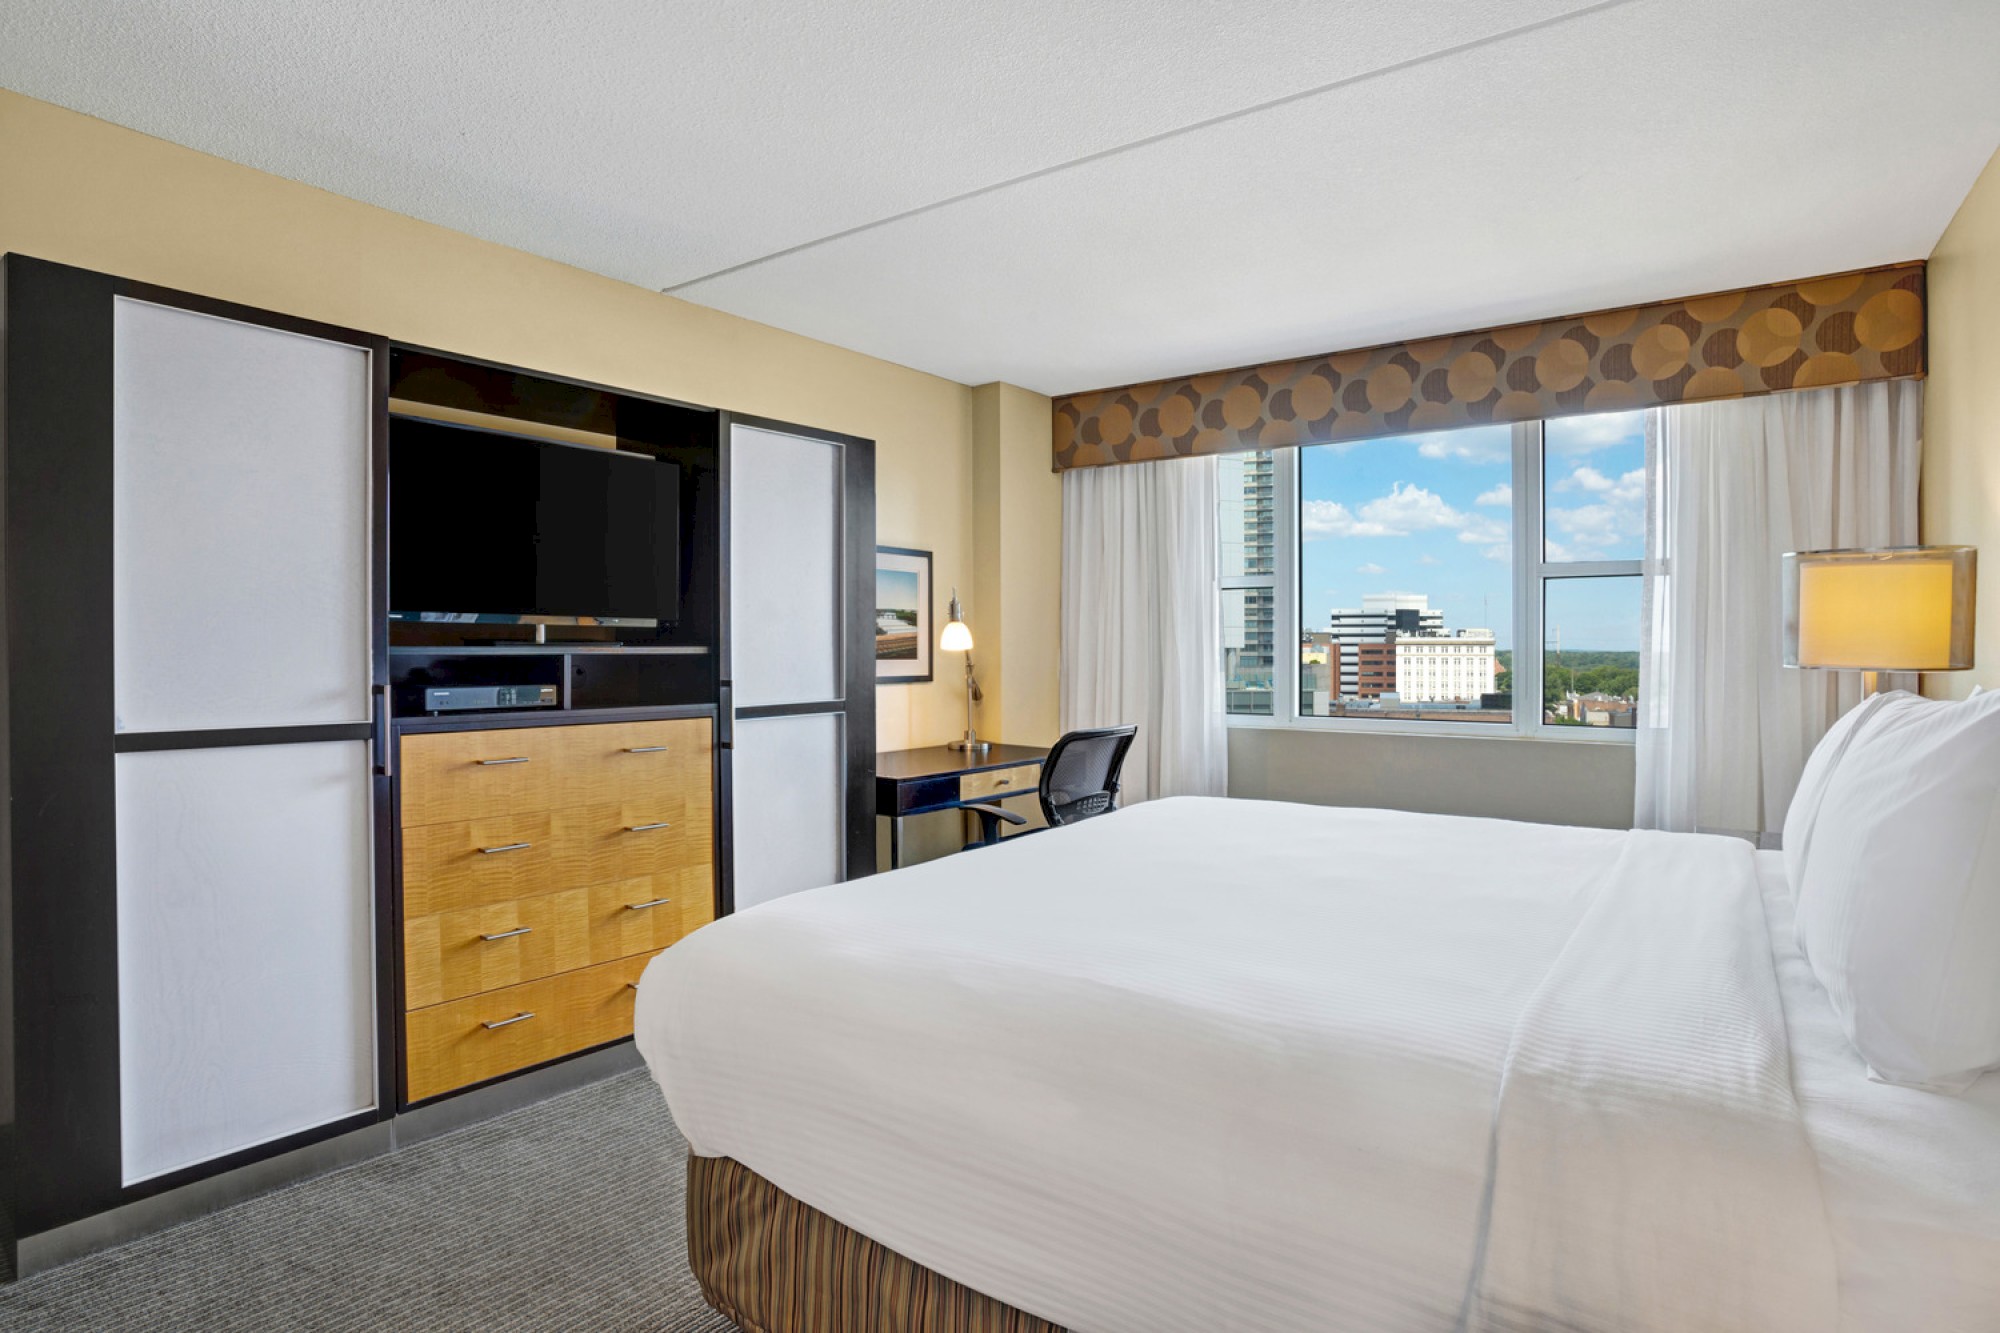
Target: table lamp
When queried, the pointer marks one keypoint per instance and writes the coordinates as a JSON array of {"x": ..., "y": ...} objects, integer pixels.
[
  {"x": 1892, "y": 608},
  {"x": 956, "y": 638}
]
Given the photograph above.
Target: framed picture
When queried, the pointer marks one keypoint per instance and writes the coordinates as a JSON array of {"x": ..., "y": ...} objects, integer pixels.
[{"x": 904, "y": 635}]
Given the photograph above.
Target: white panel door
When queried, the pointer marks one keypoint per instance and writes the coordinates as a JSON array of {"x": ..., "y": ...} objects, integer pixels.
[
  {"x": 240, "y": 518},
  {"x": 790, "y": 784},
  {"x": 784, "y": 568},
  {"x": 245, "y": 947}
]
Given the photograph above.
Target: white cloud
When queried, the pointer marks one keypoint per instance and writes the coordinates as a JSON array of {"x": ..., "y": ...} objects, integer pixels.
[
  {"x": 1475, "y": 444},
  {"x": 1614, "y": 514},
  {"x": 1371, "y": 568},
  {"x": 1404, "y": 510},
  {"x": 1503, "y": 494},
  {"x": 1428, "y": 559},
  {"x": 1586, "y": 435}
]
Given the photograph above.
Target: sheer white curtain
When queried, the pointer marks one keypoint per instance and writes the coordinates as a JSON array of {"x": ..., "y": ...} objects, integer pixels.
[
  {"x": 1724, "y": 727},
  {"x": 1142, "y": 620}
]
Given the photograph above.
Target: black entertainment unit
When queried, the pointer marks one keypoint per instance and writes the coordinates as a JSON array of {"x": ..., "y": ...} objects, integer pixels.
[{"x": 547, "y": 535}]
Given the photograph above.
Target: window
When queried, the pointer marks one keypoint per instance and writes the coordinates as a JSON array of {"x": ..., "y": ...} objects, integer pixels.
[
  {"x": 1594, "y": 538},
  {"x": 1414, "y": 567}
]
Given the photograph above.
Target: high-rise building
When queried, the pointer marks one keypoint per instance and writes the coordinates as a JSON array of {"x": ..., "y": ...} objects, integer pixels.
[
  {"x": 1250, "y": 652},
  {"x": 1379, "y": 618}
]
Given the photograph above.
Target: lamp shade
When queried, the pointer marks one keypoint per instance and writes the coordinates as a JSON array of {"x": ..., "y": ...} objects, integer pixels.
[
  {"x": 956, "y": 637},
  {"x": 1900, "y": 608}
]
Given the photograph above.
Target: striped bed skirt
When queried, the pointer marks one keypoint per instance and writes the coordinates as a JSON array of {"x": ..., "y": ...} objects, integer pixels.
[{"x": 775, "y": 1265}]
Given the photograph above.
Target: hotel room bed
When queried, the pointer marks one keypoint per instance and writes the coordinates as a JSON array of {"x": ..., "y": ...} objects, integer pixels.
[{"x": 1209, "y": 1064}]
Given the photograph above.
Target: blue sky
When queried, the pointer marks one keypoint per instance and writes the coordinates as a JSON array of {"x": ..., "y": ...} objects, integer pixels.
[{"x": 1431, "y": 514}]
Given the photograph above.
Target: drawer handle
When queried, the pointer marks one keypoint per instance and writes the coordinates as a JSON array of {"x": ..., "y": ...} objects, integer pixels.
[
  {"x": 506, "y": 847},
  {"x": 640, "y": 907},
  {"x": 507, "y": 934},
  {"x": 521, "y": 1017},
  {"x": 1003, "y": 782},
  {"x": 647, "y": 828},
  {"x": 513, "y": 759},
  {"x": 645, "y": 749}
]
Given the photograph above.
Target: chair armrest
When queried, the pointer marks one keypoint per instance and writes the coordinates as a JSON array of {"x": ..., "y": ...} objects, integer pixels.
[{"x": 997, "y": 812}]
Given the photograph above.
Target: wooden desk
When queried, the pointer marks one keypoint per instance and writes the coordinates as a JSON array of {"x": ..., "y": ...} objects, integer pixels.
[{"x": 937, "y": 777}]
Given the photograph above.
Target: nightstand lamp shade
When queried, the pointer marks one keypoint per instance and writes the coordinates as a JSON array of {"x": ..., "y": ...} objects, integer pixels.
[{"x": 1903, "y": 608}]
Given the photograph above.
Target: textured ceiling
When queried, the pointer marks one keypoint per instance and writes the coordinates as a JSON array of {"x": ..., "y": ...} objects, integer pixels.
[{"x": 1073, "y": 195}]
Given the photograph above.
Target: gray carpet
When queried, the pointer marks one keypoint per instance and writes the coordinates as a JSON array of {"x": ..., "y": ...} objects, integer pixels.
[{"x": 565, "y": 1215}]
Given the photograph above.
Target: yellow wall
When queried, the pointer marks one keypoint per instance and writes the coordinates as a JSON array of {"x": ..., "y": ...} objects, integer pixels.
[
  {"x": 82, "y": 191},
  {"x": 1017, "y": 579},
  {"x": 1961, "y": 501}
]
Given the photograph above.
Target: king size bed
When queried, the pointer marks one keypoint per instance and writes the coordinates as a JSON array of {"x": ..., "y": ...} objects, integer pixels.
[{"x": 1206, "y": 1064}]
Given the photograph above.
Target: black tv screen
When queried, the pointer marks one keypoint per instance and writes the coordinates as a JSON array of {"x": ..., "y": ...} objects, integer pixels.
[{"x": 486, "y": 526}]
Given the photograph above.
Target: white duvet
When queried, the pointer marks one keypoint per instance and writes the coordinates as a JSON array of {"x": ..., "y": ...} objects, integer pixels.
[{"x": 1210, "y": 1064}]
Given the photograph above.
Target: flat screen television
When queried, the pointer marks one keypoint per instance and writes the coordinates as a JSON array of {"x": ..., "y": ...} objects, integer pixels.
[{"x": 488, "y": 527}]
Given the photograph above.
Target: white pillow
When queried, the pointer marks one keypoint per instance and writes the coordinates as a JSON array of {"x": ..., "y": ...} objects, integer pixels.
[
  {"x": 1899, "y": 890},
  {"x": 1820, "y": 765}
]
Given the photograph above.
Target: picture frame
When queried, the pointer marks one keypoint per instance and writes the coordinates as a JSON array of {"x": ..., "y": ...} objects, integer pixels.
[{"x": 905, "y": 616}]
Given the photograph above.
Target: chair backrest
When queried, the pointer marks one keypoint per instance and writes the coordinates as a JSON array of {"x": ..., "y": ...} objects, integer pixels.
[{"x": 1080, "y": 776}]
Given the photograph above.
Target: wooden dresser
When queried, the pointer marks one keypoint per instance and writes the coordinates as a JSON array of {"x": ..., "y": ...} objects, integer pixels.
[{"x": 542, "y": 868}]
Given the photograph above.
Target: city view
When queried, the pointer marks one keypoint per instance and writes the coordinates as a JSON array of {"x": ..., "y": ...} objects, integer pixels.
[{"x": 1406, "y": 576}]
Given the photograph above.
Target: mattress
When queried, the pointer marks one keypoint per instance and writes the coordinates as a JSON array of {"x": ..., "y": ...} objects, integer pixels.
[
  {"x": 1207, "y": 1064},
  {"x": 1911, "y": 1179}
]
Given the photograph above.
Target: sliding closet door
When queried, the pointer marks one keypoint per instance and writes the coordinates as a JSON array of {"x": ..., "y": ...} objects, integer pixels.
[
  {"x": 195, "y": 825},
  {"x": 243, "y": 662},
  {"x": 798, "y": 660}
]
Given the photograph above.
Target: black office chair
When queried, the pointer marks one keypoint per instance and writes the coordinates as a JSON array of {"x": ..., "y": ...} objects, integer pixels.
[{"x": 1079, "y": 780}]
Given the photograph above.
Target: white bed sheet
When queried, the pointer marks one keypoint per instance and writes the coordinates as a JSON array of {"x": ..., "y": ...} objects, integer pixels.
[
  {"x": 1911, "y": 1179},
  {"x": 1206, "y": 1064}
]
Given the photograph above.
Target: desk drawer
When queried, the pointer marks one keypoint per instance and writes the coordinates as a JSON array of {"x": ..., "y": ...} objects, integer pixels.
[
  {"x": 475, "y": 862},
  {"x": 450, "y": 955},
  {"x": 450, "y": 1046},
  {"x": 999, "y": 782}
]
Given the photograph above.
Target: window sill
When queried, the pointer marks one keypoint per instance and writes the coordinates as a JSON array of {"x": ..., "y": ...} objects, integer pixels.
[{"x": 1619, "y": 736}]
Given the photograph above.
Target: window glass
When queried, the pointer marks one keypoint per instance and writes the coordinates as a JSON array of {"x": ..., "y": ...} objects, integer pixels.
[
  {"x": 1248, "y": 655},
  {"x": 1245, "y": 514},
  {"x": 1594, "y": 487},
  {"x": 1406, "y": 576},
  {"x": 1590, "y": 656}
]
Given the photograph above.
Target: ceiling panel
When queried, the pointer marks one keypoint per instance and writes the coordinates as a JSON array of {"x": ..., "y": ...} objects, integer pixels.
[
  {"x": 657, "y": 142},
  {"x": 1073, "y": 195},
  {"x": 1628, "y": 155}
]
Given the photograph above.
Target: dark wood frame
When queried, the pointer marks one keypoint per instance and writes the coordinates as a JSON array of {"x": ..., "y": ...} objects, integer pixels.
[
  {"x": 927, "y": 639},
  {"x": 63, "y": 1150}
]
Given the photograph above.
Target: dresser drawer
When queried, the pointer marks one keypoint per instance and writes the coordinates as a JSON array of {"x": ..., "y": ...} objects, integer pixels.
[
  {"x": 455, "y": 775},
  {"x": 450, "y": 1045},
  {"x": 634, "y": 762},
  {"x": 475, "y": 862},
  {"x": 450, "y": 955},
  {"x": 628, "y": 917},
  {"x": 999, "y": 782}
]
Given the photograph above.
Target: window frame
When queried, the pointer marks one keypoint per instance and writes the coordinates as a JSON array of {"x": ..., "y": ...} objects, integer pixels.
[{"x": 1532, "y": 573}]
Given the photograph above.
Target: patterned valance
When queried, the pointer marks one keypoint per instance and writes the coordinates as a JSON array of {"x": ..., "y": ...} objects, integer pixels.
[{"x": 1843, "y": 329}]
